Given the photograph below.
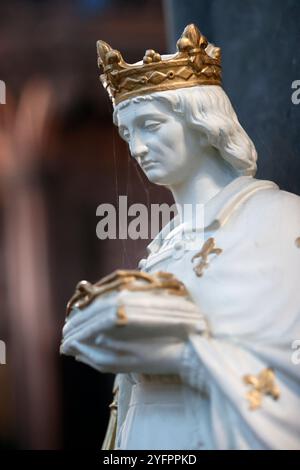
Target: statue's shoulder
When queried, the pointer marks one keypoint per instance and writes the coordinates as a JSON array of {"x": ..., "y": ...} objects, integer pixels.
[
  {"x": 273, "y": 208},
  {"x": 274, "y": 198},
  {"x": 290, "y": 199}
]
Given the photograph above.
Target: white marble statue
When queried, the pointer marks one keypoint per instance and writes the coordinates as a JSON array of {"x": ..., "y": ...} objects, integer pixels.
[{"x": 213, "y": 368}]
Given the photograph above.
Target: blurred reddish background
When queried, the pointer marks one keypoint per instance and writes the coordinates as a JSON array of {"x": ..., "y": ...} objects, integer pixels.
[{"x": 60, "y": 157}]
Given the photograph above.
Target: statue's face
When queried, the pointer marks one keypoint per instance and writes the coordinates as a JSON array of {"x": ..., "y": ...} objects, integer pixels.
[{"x": 166, "y": 149}]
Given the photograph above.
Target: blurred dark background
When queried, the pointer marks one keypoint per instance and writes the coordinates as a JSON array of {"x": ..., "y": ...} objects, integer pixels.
[{"x": 60, "y": 157}]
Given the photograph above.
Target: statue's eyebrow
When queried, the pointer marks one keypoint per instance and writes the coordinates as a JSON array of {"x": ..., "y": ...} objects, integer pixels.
[
  {"x": 152, "y": 116},
  {"x": 141, "y": 120}
]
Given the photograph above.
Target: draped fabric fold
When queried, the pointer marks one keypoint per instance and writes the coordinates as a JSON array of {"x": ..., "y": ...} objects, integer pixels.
[{"x": 250, "y": 296}]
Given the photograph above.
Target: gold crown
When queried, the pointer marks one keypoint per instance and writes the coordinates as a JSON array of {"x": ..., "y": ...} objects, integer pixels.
[{"x": 197, "y": 62}]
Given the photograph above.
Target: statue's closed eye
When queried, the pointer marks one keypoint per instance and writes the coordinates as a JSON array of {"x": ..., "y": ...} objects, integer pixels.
[
  {"x": 124, "y": 133},
  {"x": 152, "y": 125}
]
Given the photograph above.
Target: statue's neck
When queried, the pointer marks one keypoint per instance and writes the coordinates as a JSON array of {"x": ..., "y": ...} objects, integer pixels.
[{"x": 205, "y": 181}]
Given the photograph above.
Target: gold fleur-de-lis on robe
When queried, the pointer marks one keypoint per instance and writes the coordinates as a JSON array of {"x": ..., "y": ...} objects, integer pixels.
[
  {"x": 262, "y": 384},
  {"x": 208, "y": 248}
]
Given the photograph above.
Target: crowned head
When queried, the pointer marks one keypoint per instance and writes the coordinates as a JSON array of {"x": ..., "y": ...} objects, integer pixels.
[{"x": 174, "y": 106}]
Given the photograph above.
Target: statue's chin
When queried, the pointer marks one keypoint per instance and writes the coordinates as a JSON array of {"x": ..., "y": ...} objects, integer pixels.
[
  {"x": 157, "y": 177},
  {"x": 154, "y": 177}
]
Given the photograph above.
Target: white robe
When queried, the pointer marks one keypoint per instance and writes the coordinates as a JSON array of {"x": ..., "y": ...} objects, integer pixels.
[{"x": 250, "y": 295}]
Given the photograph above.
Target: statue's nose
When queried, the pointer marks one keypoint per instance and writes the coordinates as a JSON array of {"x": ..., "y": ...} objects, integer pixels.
[{"x": 138, "y": 149}]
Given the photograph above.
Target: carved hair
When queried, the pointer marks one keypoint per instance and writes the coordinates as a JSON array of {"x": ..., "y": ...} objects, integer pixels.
[{"x": 208, "y": 108}]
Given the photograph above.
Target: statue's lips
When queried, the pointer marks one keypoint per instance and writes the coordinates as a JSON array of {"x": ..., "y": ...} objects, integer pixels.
[{"x": 148, "y": 165}]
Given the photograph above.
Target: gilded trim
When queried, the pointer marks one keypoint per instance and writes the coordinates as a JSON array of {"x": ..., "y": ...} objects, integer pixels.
[
  {"x": 109, "y": 442},
  {"x": 262, "y": 384},
  {"x": 131, "y": 280},
  {"x": 208, "y": 248}
]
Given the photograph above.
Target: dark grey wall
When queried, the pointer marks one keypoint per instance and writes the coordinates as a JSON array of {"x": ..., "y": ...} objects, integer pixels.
[{"x": 260, "y": 41}]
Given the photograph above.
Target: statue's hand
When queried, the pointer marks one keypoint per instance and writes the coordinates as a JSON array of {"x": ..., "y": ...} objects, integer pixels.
[
  {"x": 112, "y": 355},
  {"x": 132, "y": 332}
]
